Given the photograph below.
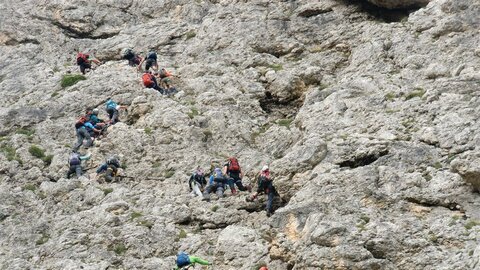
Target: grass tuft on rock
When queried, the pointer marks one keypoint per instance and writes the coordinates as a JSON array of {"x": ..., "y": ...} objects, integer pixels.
[
  {"x": 119, "y": 249},
  {"x": 25, "y": 131},
  {"x": 285, "y": 122},
  {"x": 169, "y": 173},
  {"x": 107, "y": 191},
  {"x": 193, "y": 112},
  {"x": 418, "y": 92},
  {"x": 36, "y": 151},
  {"x": 10, "y": 153},
  {"x": 182, "y": 234},
  {"x": 45, "y": 237},
  {"x": 190, "y": 34},
  {"x": 71, "y": 79},
  {"x": 135, "y": 215},
  {"x": 30, "y": 187},
  {"x": 472, "y": 223}
]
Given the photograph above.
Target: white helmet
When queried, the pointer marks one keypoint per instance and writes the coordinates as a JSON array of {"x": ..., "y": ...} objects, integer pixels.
[{"x": 265, "y": 168}]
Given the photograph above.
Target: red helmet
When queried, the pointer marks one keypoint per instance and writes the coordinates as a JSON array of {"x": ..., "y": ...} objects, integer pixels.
[{"x": 263, "y": 268}]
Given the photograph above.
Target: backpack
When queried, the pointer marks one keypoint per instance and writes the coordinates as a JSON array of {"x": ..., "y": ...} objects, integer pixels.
[
  {"x": 233, "y": 165},
  {"x": 111, "y": 104},
  {"x": 182, "y": 259},
  {"x": 82, "y": 58},
  {"x": 128, "y": 53},
  {"x": 80, "y": 122},
  {"x": 74, "y": 159},
  {"x": 152, "y": 55},
  {"x": 147, "y": 80}
]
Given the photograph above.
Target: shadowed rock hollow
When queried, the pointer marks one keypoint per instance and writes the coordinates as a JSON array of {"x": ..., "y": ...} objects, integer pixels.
[{"x": 370, "y": 127}]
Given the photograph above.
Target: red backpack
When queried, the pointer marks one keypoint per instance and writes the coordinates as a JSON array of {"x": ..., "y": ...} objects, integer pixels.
[
  {"x": 82, "y": 58},
  {"x": 80, "y": 122},
  {"x": 233, "y": 165},
  {"x": 147, "y": 80}
]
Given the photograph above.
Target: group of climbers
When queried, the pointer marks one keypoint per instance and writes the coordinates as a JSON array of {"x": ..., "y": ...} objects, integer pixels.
[
  {"x": 230, "y": 176},
  {"x": 160, "y": 80},
  {"x": 90, "y": 126}
]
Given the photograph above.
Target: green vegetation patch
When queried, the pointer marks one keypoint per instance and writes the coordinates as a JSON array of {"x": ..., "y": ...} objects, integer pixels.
[
  {"x": 119, "y": 249},
  {"x": 193, "y": 112},
  {"x": 71, "y": 79},
  {"x": 43, "y": 239},
  {"x": 182, "y": 234},
  {"x": 190, "y": 34},
  {"x": 38, "y": 152},
  {"x": 418, "y": 92},
  {"x": 107, "y": 191},
  {"x": 135, "y": 215},
  {"x": 169, "y": 173},
  {"x": 472, "y": 223},
  {"x": 148, "y": 131},
  {"x": 285, "y": 122},
  {"x": 10, "y": 153},
  {"x": 30, "y": 187},
  {"x": 276, "y": 67},
  {"x": 25, "y": 131}
]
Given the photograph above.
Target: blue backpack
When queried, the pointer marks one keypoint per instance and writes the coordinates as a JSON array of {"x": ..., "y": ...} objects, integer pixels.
[
  {"x": 152, "y": 55},
  {"x": 182, "y": 259},
  {"x": 111, "y": 104}
]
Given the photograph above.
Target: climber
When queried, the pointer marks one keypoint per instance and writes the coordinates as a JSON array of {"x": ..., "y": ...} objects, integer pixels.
[
  {"x": 165, "y": 81},
  {"x": 74, "y": 161},
  {"x": 265, "y": 185},
  {"x": 110, "y": 167},
  {"x": 133, "y": 58},
  {"x": 197, "y": 182},
  {"x": 84, "y": 61},
  {"x": 234, "y": 172},
  {"x": 150, "y": 61},
  {"x": 216, "y": 184},
  {"x": 99, "y": 124},
  {"x": 112, "y": 110},
  {"x": 183, "y": 259},
  {"x": 92, "y": 131},
  {"x": 82, "y": 133},
  {"x": 149, "y": 81}
]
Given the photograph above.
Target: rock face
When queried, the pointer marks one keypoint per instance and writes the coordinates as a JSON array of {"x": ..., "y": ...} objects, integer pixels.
[{"x": 369, "y": 123}]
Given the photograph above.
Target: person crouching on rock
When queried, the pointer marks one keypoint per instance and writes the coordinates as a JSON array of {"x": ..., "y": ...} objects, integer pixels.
[
  {"x": 75, "y": 163},
  {"x": 197, "y": 182},
  {"x": 82, "y": 133},
  {"x": 133, "y": 58},
  {"x": 84, "y": 61},
  {"x": 112, "y": 110},
  {"x": 184, "y": 261},
  {"x": 110, "y": 167},
  {"x": 150, "y": 61},
  {"x": 265, "y": 185},
  {"x": 234, "y": 172},
  {"x": 149, "y": 81},
  {"x": 215, "y": 184}
]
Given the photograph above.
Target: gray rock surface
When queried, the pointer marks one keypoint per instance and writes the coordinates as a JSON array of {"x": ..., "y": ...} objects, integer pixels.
[{"x": 369, "y": 122}]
